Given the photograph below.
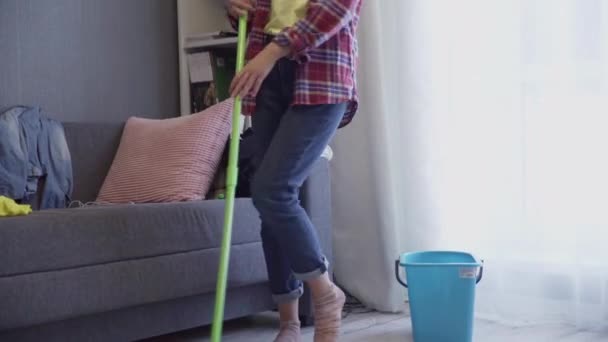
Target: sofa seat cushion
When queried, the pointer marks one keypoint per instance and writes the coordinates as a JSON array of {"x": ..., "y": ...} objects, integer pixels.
[{"x": 68, "y": 238}]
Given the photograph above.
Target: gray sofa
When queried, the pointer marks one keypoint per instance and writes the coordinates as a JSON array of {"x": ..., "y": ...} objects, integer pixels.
[{"x": 128, "y": 272}]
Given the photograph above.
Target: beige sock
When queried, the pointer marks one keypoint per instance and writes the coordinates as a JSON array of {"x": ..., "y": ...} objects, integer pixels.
[
  {"x": 328, "y": 315},
  {"x": 290, "y": 332}
]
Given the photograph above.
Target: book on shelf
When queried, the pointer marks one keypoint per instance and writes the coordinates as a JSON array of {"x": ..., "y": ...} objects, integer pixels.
[
  {"x": 211, "y": 73},
  {"x": 203, "y": 95},
  {"x": 202, "y": 85},
  {"x": 223, "y": 64}
]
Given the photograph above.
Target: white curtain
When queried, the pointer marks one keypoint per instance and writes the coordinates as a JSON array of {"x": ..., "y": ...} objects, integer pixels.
[{"x": 483, "y": 127}]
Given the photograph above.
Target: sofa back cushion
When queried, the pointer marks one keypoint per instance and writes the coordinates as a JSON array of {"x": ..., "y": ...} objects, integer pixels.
[
  {"x": 92, "y": 147},
  {"x": 168, "y": 160}
]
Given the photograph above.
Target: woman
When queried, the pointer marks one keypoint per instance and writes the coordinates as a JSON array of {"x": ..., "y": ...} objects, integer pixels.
[{"x": 299, "y": 85}]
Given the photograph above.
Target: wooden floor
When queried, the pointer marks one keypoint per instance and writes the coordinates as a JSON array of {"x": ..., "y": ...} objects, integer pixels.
[{"x": 377, "y": 327}]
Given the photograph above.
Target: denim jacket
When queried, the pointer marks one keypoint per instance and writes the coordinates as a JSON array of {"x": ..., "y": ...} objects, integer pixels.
[{"x": 33, "y": 148}]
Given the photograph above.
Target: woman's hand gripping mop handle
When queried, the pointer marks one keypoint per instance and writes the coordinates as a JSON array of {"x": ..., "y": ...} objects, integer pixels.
[{"x": 231, "y": 180}]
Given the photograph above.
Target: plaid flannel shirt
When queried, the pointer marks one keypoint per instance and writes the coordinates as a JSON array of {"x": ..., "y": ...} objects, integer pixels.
[{"x": 324, "y": 45}]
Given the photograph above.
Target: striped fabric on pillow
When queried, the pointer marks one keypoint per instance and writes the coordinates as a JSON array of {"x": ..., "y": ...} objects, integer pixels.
[{"x": 168, "y": 160}]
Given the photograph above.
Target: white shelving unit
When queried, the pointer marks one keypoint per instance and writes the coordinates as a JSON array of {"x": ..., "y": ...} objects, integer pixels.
[{"x": 195, "y": 18}]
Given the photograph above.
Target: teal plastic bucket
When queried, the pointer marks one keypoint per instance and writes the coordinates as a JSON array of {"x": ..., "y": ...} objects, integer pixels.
[{"x": 441, "y": 289}]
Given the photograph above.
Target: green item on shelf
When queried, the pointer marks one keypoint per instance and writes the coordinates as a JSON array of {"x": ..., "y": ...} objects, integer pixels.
[{"x": 223, "y": 63}]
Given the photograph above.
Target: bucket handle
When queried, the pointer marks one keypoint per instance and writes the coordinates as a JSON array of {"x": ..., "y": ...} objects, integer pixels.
[
  {"x": 480, "y": 275},
  {"x": 397, "y": 275}
]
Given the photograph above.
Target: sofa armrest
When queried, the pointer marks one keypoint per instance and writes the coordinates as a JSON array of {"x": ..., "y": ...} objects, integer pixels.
[{"x": 315, "y": 196}]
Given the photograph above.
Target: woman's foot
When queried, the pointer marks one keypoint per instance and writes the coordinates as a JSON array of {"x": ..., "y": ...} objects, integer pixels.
[
  {"x": 328, "y": 314},
  {"x": 290, "y": 332}
]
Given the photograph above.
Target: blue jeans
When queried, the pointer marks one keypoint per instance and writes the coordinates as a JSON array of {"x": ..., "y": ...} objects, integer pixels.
[
  {"x": 288, "y": 141},
  {"x": 34, "y": 147}
]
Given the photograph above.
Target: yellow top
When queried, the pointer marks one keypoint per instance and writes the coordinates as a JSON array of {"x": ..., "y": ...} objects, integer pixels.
[
  {"x": 8, "y": 207},
  {"x": 285, "y": 13}
]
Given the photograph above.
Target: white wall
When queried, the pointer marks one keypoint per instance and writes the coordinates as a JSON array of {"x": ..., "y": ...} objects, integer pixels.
[{"x": 82, "y": 60}]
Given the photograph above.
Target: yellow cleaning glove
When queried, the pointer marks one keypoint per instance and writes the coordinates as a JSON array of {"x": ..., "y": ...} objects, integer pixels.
[{"x": 8, "y": 207}]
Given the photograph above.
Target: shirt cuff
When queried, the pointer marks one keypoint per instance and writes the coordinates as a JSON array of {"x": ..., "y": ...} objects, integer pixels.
[{"x": 234, "y": 22}]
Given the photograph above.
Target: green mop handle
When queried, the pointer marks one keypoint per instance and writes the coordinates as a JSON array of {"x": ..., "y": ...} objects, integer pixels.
[{"x": 231, "y": 180}]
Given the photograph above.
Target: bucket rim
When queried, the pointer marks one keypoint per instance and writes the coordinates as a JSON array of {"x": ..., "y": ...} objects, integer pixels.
[{"x": 476, "y": 263}]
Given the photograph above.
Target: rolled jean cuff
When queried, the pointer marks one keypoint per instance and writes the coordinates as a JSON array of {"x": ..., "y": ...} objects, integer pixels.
[
  {"x": 315, "y": 273},
  {"x": 288, "y": 297}
]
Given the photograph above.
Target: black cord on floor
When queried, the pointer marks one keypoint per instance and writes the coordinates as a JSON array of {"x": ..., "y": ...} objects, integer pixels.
[{"x": 353, "y": 305}]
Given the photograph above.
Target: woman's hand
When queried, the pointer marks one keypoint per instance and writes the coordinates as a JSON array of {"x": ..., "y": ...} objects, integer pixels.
[
  {"x": 250, "y": 79},
  {"x": 237, "y": 8}
]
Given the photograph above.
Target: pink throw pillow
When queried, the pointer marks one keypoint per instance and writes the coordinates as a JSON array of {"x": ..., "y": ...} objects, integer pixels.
[{"x": 168, "y": 160}]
